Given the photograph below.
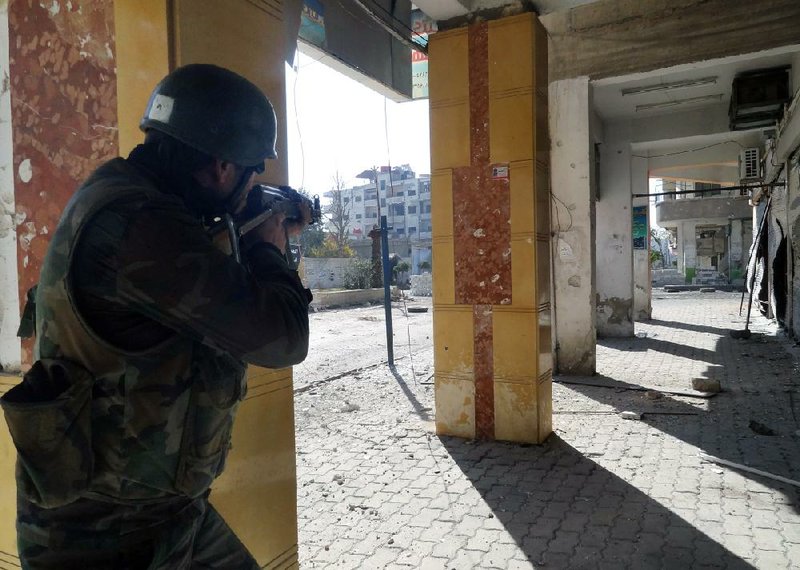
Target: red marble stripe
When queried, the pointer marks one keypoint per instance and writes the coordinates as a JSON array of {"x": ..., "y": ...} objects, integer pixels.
[
  {"x": 62, "y": 79},
  {"x": 481, "y": 204},
  {"x": 479, "y": 92},
  {"x": 484, "y": 371},
  {"x": 482, "y": 237}
]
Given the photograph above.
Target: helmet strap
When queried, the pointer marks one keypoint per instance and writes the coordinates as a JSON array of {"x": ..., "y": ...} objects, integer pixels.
[{"x": 233, "y": 198}]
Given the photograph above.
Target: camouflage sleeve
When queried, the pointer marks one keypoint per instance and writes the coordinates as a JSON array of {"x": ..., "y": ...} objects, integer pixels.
[{"x": 155, "y": 258}]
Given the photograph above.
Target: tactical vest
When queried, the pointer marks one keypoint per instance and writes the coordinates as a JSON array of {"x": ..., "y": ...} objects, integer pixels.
[{"x": 118, "y": 426}]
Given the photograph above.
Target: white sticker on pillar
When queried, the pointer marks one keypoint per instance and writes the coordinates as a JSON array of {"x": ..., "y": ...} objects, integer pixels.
[
  {"x": 500, "y": 172},
  {"x": 161, "y": 109},
  {"x": 565, "y": 251}
]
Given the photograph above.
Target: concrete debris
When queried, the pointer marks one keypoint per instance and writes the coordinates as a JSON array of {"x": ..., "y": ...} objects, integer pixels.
[
  {"x": 630, "y": 416},
  {"x": 761, "y": 429},
  {"x": 348, "y": 407},
  {"x": 422, "y": 285},
  {"x": 706, "y": 385},
  {"x": 601, "y": 382},
  {"x": 653, "y": 395},
  {"x": 712, "y": 459}
]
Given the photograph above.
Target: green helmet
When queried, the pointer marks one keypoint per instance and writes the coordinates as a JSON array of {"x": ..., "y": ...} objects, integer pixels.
[{"x": 216, "y": 111}]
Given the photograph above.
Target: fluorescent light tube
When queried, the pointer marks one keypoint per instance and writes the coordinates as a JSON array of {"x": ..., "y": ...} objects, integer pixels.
[
  {"x": 668, "y": 86},
  {"x": 676, "y": 102}
]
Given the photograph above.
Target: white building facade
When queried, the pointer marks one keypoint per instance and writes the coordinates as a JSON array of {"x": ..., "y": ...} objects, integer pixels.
[{"x": 397, "y": 193}]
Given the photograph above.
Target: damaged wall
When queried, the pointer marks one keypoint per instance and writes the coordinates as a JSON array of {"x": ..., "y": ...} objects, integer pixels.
[
  {"x": 642, "y": 280},
  {"x": 64, "y": 113},
  {"x": 572, "y": 222},
  {"x": 793, "y": 219},
  {"x": 777, "y": 237},
  {"x": 614, "y": 237},
  {"x": 9, "y": 297}
]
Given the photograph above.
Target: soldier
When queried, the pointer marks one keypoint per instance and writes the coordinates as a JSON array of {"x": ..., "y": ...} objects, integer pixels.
[{"x": 144, "y": 329}]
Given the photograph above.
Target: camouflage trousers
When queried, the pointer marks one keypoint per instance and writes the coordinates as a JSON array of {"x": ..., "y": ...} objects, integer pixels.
[{"x": 191, "y": 535}]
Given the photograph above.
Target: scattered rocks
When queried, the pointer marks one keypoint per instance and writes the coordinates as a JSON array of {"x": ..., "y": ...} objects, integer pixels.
[
  {"x": 630, "y": 416},
  {"x": 706, "y": 385},
  {"x": 339, "y": 479},
  {"x": 653, "y": 395},
  {"x": 348, "y": 407}
]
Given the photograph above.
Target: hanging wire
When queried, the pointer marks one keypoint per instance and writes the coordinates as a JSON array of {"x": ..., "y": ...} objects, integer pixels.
[
  {"x": 677, "y": 152},
  {"x": 558, "y": 220},
  {"x": 296, "y": 68},
  {"x": 389, "y": 162}
]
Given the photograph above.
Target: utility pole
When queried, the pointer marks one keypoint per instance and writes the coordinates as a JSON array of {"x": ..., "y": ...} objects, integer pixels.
[{"x": 387, "y": 283}]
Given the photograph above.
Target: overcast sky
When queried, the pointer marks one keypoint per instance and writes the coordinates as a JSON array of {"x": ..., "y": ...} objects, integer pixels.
[{"x": 341, "y": 125}]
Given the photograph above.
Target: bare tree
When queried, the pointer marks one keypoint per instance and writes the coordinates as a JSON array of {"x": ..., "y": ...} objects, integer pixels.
[{"x": 338, "y": 213}]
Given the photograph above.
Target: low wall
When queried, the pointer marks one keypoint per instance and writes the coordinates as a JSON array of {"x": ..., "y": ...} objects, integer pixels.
[
  {"x": 346, "y": 297},
  {"x": 325, "y": 272}
]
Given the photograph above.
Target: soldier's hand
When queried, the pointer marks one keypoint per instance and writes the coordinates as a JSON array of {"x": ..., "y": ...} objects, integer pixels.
[
  {"x": 271, "y": 230},
  {"x": 296, "y": 227}
]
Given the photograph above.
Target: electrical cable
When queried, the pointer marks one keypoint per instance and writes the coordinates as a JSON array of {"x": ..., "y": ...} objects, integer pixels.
[
  {"x": 392, "y": 31},
  {"x": 558, "y": 221},
  {"x": 403, "y": 24},
  {"x": 389, "y": 162},
  {"x": 408, "y": 331},
  {"x": 688, "y": 150}
]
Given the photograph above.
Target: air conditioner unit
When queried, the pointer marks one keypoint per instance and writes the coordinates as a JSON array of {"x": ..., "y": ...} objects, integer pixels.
[{"x": 749, "y": 163}]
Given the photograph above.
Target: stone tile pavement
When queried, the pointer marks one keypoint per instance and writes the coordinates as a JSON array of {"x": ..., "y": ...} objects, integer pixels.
[{"x": 378, "y": 489}]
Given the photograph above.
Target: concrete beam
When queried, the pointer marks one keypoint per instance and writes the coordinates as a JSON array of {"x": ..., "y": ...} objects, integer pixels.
[
  {"x": 715, "y": 207},
  {"x": 596, "y": 40},
  {"x": 721, "y": 154},
  {"x": 681, "y": 125},
  {"x": 725, "y": 175}
]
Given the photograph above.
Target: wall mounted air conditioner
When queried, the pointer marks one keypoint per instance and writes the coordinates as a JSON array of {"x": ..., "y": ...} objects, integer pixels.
[{"x": 749, "y": 163}]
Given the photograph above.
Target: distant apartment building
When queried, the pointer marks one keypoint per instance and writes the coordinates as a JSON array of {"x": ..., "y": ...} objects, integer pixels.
[
  {"x": 712, "y": 229},
  {"x": 399, "y": 194},
  {"x": 405, "y": 199}
]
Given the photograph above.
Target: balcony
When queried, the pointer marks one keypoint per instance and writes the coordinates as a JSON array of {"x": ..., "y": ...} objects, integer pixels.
[{"x": 735, "y": 207}]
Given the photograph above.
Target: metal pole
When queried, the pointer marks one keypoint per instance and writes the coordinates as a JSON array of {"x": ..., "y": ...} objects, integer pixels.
[{"x": 387, "y": 295}]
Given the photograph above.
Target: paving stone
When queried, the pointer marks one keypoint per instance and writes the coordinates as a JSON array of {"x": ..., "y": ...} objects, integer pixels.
[{"x": 772, "y": 559}]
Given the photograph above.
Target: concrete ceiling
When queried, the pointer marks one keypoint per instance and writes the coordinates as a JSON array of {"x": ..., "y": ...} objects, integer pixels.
[
  {"x": 446, "y": 9},
  {"x": 684, "y": 131},
  {"x": 610, "y": 103}
]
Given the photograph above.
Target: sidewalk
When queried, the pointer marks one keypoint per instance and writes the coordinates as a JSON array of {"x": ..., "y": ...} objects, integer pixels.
[{"x": 378, "y": 489}]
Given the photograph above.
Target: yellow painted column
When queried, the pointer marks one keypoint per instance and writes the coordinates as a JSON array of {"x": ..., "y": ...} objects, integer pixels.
[
  {"x": 490, "y": 214},
  {"x": 257, "y": 493}
]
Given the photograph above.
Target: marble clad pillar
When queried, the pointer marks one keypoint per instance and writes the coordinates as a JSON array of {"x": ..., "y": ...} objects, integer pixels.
[{"x": 490, "y": 213}]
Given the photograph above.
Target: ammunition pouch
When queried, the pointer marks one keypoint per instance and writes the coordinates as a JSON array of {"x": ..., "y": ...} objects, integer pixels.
[{"x": 49, "y": 417}]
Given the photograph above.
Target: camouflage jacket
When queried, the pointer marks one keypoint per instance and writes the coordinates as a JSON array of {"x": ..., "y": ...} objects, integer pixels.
[{"x": 133, "y": 291}]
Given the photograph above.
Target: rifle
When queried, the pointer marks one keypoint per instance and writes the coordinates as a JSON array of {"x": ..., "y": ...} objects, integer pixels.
[{"x": 262, "y": 202}]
